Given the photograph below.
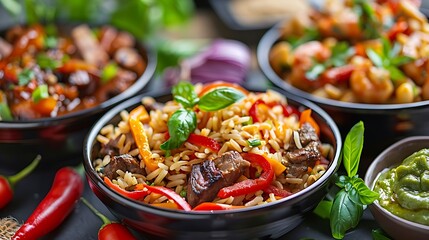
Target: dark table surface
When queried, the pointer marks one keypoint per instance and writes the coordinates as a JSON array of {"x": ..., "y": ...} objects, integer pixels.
[{"x": 83, "y": 224}]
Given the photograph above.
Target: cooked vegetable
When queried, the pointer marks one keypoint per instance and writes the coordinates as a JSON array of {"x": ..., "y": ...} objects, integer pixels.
[
  {"x": 8, "y": 183},
  {"x": 65, "y": 191},
  {"x": 109, "y": 230}
]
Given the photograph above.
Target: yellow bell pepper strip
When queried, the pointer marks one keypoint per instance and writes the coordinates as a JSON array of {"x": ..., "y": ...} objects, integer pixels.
[
  {"x": 278, "y": 167},
  {"x": 138, "y": 115},
  {"x": 251, "y": 185},
  {"x": 306, "y": 117},
  {"x": 211, "y": 206}
]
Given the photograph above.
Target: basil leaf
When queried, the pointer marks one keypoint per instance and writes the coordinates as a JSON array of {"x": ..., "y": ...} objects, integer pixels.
[
  {"x": 364, "y": 194},
  {"x": 310, "y": 34},
  {"x": 5, "y": 113},
  {"x": 387, "y": 48},
  {"x": 395, "y": 73},
  {"x": 375, "y": 57},
  {"x": 345, "y": 214},
  {"x": 378, "y": 234},
  {"x": 342, "y": 181},
  {"x": 323, "y": 209},
  {"x": 314, "y": 72},
  {"x": 182, "y": 123},
  {"x": 254, "y": 142},
  {"x": 12, "y": 6},
  {"x": 352, "y": 149},
  {"x": 39, "y": 93},
  {"x": 340, "y": 52},
  {"x": 184, "y": 93},
  {"x": 25, "y": 76},
  {"x": 401, "y": 60},
  {"x": 219, "y": 98}
]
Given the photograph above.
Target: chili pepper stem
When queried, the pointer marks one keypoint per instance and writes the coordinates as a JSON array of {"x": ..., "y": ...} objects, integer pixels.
[
  {"x": 24, "y": 172},
  {"x": 103, "y": 218},
  {"x": 80, "y": 170}
]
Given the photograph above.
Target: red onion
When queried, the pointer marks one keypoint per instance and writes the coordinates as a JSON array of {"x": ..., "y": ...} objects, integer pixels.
[{"x": 226, "y": 60}]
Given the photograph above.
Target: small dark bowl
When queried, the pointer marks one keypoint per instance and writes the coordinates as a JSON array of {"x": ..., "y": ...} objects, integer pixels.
[
  {"x": 265, "y": 221},
  {"x": 396, "y": 227},
  {"x": 384, "y": 123},
  {"x": 59, "y": 140}
]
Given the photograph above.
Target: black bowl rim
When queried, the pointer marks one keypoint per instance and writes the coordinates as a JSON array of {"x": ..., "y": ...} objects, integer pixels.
[
  {"x": 134, "y": 89},
  {"x": 371, "y": 169},
  {"x": 262, "y": 53},
  {"x": 93, "y": 176}
]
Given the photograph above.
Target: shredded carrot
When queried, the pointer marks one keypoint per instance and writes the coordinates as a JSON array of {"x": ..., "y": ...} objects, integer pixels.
[
  {"x": 136, "y": 116},
  {"x": 306, "y": 117}
]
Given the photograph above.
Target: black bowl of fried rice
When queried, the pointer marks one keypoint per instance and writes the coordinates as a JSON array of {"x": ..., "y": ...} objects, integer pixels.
[
  {"x": 190, "y": 192},
  {"x": 57, "y": 80}
]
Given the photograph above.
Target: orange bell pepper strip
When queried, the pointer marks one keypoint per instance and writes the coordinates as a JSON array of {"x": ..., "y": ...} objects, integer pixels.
[
  {"x": 211, "y": 86},
  {"x": 306, "y": 117},
  {"x": 278, "y": 167},
  {"x": 138, "y": 115}
]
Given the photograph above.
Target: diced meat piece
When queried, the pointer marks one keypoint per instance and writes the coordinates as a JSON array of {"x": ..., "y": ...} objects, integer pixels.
[
  {"x": 121, "y": 82},
  {"x": 88, "y": 46},
  {"x": 111, "y": 148},
  {"x": 300, "y": 158},
  {"x": 112, "y": 39},
  {"x": 130, "y": 59},
  {"x": 122, "y": 40},
  {"x": 14, "y": 33},
  {"x": 23, "y": 110},
  {"x": 107, "y": 35},
  {"x": 5, "y": 48},
  {"x": 124, "y": 162},
  {"x": 208, "y": 178},
  {"x": 85, "y": 82},
  {"x": 311, "y": 152}
]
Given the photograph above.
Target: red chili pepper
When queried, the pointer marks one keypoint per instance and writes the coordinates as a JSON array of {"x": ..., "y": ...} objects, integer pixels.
[
  {"x": 211, "y": 206},
  {"x": 277, "y": 191},
  {"x": 204, "y": 141},
  {"x": 110, "y": 230},
  {"x": 138, "y": 194},
  {"x": 251, "y": 185},
  {"x": 7, "y": 183},
  {"x": 66, "y": 190}
]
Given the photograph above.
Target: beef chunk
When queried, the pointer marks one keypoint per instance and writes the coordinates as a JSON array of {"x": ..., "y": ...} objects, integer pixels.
[
  {"x": 124, "y": 162},
  {"x": 111, "y": 148},
  {"x": 5, "y": 48},
  {"x": 212, "y": 175},
  {"x": 88, "y": 46},
  {"x": 130, "y": 59},
  {"x": 300, "y": 158}
]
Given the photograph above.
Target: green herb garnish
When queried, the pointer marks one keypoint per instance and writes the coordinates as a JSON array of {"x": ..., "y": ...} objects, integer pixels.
[
  {"x": 348, "y": 204},
  {"x": 109, "y": 72},
  {"x": 340, "y": 52},
  {"x": 254, "y": 142},
  {"x": 367, "y": 19},
  {"x": 40, "y": 93},
  {"x": 184, "y": 121},
  {"x": 25, "y": 76},
  {"x": 389, "y": 59},
  {"x": 5, "y": 113},
  {"x": 46, "y": 62},
  {"x": 310, "y": 34}
]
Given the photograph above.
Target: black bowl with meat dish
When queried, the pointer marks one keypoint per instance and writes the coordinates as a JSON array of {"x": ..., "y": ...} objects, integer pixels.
[
  {"x": 154, "y": 220},
  {"x": 340, "y": 91},
  {"x": 57, "y": 80}
]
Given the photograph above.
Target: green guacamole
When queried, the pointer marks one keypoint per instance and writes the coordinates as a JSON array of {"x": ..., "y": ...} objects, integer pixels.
[{"x": 404, "y": 190}]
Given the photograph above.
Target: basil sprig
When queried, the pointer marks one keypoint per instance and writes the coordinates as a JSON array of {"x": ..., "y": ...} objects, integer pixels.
[
  {"x": 347, "y": 207},
  {"x": 389, "y": 59},
  {"x": 184, "y": 121}
]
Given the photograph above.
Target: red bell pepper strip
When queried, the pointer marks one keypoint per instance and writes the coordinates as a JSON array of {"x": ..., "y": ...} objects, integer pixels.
[
  {"x": 170, "y": 194},
  {"x": 338, "y": 74},
  {"x": 204, "y": 141},
  {"x": 253, "y": 111},
  {"x": 136, "y": 195},
  {"x": 66, "y": 190},
  {"x": 277, "y": 191},
  {"x": 7, "y": 183},
  {"x": 211, "y": 206},
  {"x": 251, "y": 185},
  {"x": 397, "y": 28},
  {"x": 110, "y": 230}
]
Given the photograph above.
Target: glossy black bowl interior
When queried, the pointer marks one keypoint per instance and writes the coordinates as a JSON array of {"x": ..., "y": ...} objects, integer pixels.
[
  {"x": 266, "y": 221},
  {"x": 59, "y": 140},
  {"x": 384, "y": 123}
]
